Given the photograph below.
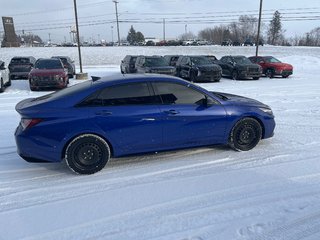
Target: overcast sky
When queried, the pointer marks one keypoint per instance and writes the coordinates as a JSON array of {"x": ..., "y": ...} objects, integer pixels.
[{"x": 97, "y": 17}]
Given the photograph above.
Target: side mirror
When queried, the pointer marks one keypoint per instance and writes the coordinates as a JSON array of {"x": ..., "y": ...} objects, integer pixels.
[
  {"x": 203, "y": 102},
  {"x": 261, "y": 61}
]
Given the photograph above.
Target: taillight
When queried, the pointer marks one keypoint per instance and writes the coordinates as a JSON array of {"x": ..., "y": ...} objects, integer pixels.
[{"x": 29, "y": 122}]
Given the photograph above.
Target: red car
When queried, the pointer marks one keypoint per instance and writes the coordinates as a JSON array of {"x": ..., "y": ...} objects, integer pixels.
[
  {"x": 48, "y": 73},
  {"x": 272, "y": 66}
]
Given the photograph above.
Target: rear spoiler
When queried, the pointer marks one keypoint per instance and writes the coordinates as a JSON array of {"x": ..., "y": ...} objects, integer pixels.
[{"x": 94, "y": 78}]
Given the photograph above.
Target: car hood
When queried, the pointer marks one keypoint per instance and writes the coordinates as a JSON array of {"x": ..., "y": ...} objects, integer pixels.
[
  {"x": 44, "y": 72},
  {"x": 209, "y": 67},
  {"x": 239, "y": 100}
]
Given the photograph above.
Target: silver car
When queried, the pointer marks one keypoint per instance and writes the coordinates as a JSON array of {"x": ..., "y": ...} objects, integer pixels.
[{"x": 5, "y": 80}]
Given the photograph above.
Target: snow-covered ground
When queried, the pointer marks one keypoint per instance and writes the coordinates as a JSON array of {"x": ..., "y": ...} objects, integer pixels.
[{"x": 270, "y": 192}]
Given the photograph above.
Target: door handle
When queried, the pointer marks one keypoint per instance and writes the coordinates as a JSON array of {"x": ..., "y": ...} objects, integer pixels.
[
  {"x": 103, "y": 113},
  {"x": 172, "y": 112}
]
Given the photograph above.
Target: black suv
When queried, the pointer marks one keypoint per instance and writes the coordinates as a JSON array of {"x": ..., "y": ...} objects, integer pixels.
[
  {"x": 20, "y": 67},
  {"x": 239, "y": 67},
  {"x": 198, "y": 68},
  {"x": 154, "y": 64},
  {"x": 69, "y": 64},
  {"x": 128, "y": 64}
]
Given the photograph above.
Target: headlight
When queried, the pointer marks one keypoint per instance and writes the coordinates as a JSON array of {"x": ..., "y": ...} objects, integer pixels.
[
  {"x": 58, "y": 78},
  {"x": 267, "y": 110}
]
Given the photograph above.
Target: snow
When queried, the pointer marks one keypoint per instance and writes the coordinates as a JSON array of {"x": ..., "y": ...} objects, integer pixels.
[{"x": 270, "y": 192}]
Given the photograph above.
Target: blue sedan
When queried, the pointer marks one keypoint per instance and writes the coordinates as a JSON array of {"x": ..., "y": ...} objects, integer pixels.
[{"x": 90, "y": 122}]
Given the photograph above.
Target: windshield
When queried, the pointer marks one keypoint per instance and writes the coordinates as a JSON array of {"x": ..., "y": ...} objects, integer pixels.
[
  {"x": 200, "y": 61},
  {"x": 20, "y": 60},
  {"x": 48, "y": 64},
  {"x": 242, "y": 60},
  {"x": 155, "y": 62},
  {"x": 271, "y": 60}
]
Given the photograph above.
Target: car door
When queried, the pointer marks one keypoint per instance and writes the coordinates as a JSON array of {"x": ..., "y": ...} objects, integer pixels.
[
  {"x": 129, "y": 117},
  {"x": 186, "y": 121}
]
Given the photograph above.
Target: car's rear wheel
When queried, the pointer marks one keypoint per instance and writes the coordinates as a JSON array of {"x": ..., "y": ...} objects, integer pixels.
[
  {"x": 1, "y": 85},
  {"x": 245, "y": 134},
  {"x": 270, "y": 73},
  {"x": 87, "y": 154},
  {"x": 256, "y": 78}
]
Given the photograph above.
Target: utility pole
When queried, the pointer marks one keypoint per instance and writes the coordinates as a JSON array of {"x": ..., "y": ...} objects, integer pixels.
[
  {"x": 259, "y": 25},
  {"x": 116, "y": 5},
  {"x": 81, "y": 75},
  {"x": 164, "y": 29},
  {"x": 49, "y": 38},
  {"x": 185, "y": 29}
]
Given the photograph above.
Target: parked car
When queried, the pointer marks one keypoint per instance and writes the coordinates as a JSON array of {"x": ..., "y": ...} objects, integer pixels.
[
  {"x": 273, "y": 67},
  {"x": 198, "y": 68},
  {"x": 226, "y": 42},
  {"x": 154, "y": 64},
  {"x": 69, "y": 64},
  {"x": 20, "y": 67},
  {"x": 239, "y": 67},
  {"x": 128, "y": 64},
  {"x": 48, "y": 73},
  {"x": 248, "y": 42},
  {"x": 5, "y": 80},
  {"x": 172, "y": 59},
  {"x": 89, "y": 122}
]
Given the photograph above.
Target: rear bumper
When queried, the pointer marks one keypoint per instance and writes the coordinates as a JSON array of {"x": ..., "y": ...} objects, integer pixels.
[{"x": 32, "y": 149}]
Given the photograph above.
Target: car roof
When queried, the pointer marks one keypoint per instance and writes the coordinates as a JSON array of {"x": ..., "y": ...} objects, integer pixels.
[{"x": 116, "y": 78}]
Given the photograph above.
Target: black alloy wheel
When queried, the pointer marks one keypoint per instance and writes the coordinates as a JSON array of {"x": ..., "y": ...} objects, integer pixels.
[
  {"x": 87, "y": 154},
  {"x": 270, "y": 73},
  {"x": 245, "y": 135}
]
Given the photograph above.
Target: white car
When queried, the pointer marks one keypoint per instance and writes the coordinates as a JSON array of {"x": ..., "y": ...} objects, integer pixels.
[{"x": 5, "y": 80}]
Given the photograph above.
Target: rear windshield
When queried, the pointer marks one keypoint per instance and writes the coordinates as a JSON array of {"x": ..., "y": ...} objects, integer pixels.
[
  {"x": 48, "y": 64},
  {"x": 20, "y": 60}
]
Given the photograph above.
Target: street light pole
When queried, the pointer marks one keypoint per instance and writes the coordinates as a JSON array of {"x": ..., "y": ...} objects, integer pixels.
[
  {"x": 116, "y": 5},
  {"x": 259, "y": 25}
]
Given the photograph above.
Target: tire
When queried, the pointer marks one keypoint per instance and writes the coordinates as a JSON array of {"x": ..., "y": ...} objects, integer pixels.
[
  {"x": 1, "y": 86},
  {"x": 256, "y": 78},
  {"x": 235, "y": 75},
  {"x": 245, "y": 134},
  {"x": 270, "y": 73},
  {"x": 285, "y": 76},
  {"x": 87, "y": 154},
  {"x": 9, "y": 83}
]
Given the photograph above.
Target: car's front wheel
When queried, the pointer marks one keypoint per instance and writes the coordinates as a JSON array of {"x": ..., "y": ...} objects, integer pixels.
[
  {"x": 235, "y": 75},
  {"x": 245, "y": 134},
  {"x": 87, "y": 154}
]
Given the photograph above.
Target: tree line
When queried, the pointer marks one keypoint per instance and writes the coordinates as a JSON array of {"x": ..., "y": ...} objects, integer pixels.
[{"x": 245, "y": 29}]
